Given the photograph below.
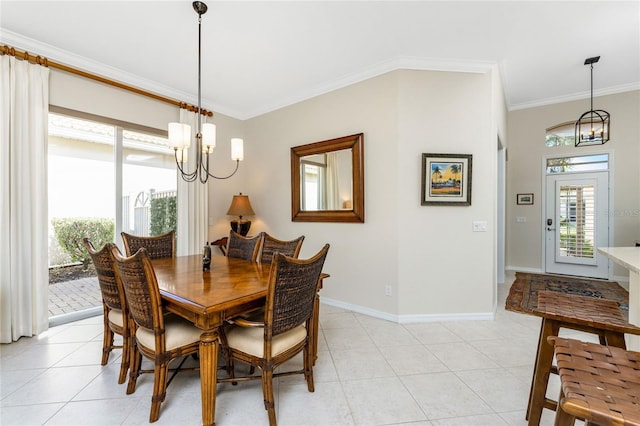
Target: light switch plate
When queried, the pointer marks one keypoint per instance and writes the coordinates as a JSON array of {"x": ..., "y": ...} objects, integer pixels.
[{"x": 479, "y": 226}]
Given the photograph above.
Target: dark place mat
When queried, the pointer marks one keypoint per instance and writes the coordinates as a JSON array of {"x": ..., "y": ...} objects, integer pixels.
[{"x": 523, "y": 294}]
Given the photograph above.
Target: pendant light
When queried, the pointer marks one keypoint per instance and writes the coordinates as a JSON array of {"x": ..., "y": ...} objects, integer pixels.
[
  {"x": 180, "y": 134},
  {"x": 593, "y": 127}
]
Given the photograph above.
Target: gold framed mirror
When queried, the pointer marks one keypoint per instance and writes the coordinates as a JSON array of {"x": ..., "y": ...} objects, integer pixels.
[{"x": 327, "y": 180}]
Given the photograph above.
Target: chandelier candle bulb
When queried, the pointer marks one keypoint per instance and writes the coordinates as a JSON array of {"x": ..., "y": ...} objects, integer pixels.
[
  {"x": 237, "y": 150},
  {"x": 208, "y": 137},
  {"x": 179, "y": 135}
]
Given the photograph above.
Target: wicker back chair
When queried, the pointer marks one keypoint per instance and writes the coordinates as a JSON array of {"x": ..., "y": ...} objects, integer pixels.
[
  {"x": 271, "y": 246},
  {"x": 159, "y": 338},
  {"x": 244, "y": 247},
  {"x": 158, "y": 246},
  {"x": 293, "y": 284},
  {"x": 114, "y": 306}
]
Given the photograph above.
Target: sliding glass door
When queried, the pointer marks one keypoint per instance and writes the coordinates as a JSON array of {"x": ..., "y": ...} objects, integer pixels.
[{"x": 104, "y": 177}]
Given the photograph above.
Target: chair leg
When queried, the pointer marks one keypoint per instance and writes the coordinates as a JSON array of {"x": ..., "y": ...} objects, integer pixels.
[
  {"x": 159, "y": 390},
  {"x": 308, "y": 358},
  {"x": 107, "y": 342},
  {"x": 267, "y": 391},
  {"x": 226, "y": 351},
  {"x": 134, "y": 370},
  {"x": 126, "y": 358},
  {"x": 542, "y": 370}
]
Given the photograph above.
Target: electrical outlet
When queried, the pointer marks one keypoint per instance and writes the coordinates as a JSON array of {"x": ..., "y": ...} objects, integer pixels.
[{"x": 387, "y": 290}]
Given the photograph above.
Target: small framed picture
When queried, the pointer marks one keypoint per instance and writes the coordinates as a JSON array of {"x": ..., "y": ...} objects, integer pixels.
[
  {"x": 446, "y": 179},
  {"x": 524, "y": 199}
]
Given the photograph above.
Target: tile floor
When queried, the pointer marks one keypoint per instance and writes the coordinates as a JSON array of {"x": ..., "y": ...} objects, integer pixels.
[{"x": 369, "y": 372}]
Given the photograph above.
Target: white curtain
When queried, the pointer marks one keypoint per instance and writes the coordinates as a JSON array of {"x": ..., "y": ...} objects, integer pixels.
[
  {"x": 24, "y": 264},
  {"x": 332, "y": 188},
  {"x": 193, "y": 200}
]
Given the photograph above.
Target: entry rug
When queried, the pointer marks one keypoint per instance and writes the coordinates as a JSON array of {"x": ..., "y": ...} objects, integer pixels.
[{"x": 523, "y": 294}]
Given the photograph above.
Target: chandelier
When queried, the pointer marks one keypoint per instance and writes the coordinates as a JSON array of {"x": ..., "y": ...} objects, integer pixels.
[
  {"x": 180, "y": 134},
  {"x": 592, "y": 128}
]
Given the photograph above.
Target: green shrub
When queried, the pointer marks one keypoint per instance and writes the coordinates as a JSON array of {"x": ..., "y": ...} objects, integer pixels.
[
  {"x": 70, "y": 232},
  {"x": 163, "y": 215}
]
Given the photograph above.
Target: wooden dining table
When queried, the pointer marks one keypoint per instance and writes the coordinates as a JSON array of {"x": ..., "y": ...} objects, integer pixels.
[{"x": 208, "y": 298}]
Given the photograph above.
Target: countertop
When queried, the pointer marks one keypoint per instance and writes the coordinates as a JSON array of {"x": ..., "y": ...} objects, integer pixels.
[{"x": 629, "y": 257}]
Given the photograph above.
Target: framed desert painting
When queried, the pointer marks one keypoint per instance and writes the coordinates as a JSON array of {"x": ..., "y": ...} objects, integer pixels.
[{"x": 446, "y": 179}]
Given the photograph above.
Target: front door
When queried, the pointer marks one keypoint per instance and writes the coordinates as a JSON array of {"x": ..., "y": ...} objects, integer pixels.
[{"x": 577, "y": 224}]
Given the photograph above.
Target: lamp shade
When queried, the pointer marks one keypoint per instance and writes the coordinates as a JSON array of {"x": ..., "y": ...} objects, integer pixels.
[
  {"x": 179, "y": 135},
  {"x": 237, "y": 150},
  {"x": 208, "y": 137},
  {"x": 240, "y": 206}
]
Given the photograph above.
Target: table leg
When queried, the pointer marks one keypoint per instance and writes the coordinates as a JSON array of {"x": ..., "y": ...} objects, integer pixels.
[
  {"x": 208, "y": 375},
  {"x": 544, "y": 361},
  {"x": 633, "y": 342},
  {"x": 613, "y": 338}
]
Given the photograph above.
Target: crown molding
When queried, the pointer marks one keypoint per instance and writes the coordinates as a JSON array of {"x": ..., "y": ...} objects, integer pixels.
[
  {"x": 577, "y": 96},
  {"x": 400, "y": 62}
]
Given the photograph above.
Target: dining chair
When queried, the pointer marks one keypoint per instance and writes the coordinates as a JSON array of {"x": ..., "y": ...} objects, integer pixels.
[
  {"x": 221, "y": 243},
  {"x": 244, "y": 247},
  {"x": 283, "y": 333},
  {"x": 271, "y": 245},
  {"x": 114, "y": 306},
  {"x": 160, "y": 338},
  {"x": 158, "y": 246}
]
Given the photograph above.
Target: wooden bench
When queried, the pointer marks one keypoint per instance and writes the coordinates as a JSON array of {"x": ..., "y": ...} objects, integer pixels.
[
  {"x": 600, "y": 384},
  {"x": 601, "y": 317}
]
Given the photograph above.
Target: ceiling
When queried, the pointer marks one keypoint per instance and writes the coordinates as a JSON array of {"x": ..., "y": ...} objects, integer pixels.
[{"x": 263, "y": 55}]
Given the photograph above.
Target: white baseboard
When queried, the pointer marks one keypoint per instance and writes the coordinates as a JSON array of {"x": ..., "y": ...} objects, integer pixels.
[
  {"x": 621, "y": 279},
  {"x": 521, "y": 269},
  {"x": 359, "y": 309},
  {"x": 407, "y": 319}
]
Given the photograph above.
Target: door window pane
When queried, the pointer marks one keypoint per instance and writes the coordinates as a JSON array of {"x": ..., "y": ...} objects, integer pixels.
[
  {"x": 577, "y": 221},
  {"x": 80, "y": 175},
  {"x": 582, "y": 163},
  {"x": 148, "y": 185}
]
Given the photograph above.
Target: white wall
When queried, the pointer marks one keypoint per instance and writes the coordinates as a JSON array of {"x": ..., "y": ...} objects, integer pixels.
[
  {"x": 81, "y": 94},
  {"x": 525, "y": 171},
  {"x": 434, "y": 263},
  {"x": 444, "y": 267},
  {"x": 363, "y": 257}
]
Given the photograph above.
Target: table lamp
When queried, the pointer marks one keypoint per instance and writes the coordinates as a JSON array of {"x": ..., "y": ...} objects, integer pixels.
[{"x": 240, "y": 206}]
